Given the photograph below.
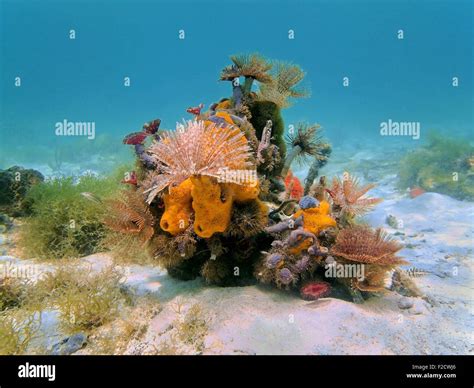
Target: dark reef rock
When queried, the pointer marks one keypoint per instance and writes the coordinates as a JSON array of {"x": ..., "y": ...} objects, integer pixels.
[
  {"x": 14, "y": 185},
  {"x": 185, "y": 270},
  {"x": 6, "y": 223},
  {"x": 262, "y": 111},
  {"x": 69, "y": 345}
]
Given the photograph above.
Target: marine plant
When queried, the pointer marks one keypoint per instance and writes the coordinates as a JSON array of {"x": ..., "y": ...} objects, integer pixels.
[
  {"x": 209, "y": 198},
  {"x": 193, "y": 327},
  {"x": 18, "y": 328},
  {"x": 83, "y": 298},
  {"x": 187, "y": 333},
  {"x": 441, "y": 165},
  {"x": 64, "y": 222},
  {"x": 20, "y": 315},
  {"x": 89, "y": 299},
  {"x": 12, "y": 292}
]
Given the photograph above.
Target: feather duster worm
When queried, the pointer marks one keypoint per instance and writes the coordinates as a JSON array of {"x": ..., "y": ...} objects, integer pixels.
[
  {"x": 196, "y": 149},
  {"x": 130, "y": 215},
  {"x": 348, "y": 196},
  {"x": 373, "y": 248}
]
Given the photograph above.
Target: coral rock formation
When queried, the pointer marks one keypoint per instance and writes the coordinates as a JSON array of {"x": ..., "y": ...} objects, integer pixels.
[{"x": 222, "y": 188}]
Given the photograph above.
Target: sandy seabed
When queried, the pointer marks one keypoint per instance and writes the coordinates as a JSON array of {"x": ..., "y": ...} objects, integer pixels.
[{"x": 438, "y": 235}]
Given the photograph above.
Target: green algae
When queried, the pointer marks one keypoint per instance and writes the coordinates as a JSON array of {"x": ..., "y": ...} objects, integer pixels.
[
  {"x": 64, "y": 223},
  {"x": 442, "y": 165}
]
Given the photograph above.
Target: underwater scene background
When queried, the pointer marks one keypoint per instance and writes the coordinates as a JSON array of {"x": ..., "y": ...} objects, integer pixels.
[
  {"x": 83, "y": 79},
  {"x": 354, "y": 118}
]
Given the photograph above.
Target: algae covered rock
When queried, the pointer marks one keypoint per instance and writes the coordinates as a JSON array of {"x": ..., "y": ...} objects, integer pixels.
[
  {"x": 69, "y": 345},
  {"x": 15, "y": 182},
  {"x": 442, "y": 165},
  {"x": 216, "y": 190},
  {"x": 6, "y": 223},
  {"x": 262, "y": 111}
]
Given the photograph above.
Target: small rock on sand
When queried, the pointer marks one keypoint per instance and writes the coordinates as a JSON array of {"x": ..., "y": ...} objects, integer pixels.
[
  {"x": 405, "y": 303},
  {"x": 70, "y": 344}
]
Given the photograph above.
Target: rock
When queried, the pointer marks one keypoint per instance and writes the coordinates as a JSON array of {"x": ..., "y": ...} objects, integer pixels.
[
  {"x": 6, "y": 223},
  {"x": 69, "y": 345},
  {"x": 404, "y": 284},
  {"x": 405, "y": 303},
  {"x": 419, "y": 307},
  {"x": 14, "y": 185},
  {"x": 392, "y": 221}
]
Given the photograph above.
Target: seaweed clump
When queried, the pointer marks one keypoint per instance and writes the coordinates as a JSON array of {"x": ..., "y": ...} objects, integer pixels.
[
  {"x": 18, "y": 328},
  {"x": 64, "y": 222},
  {"x": 442, "y": 165},
  {"x": 88, "y": 300},
  {"x": 210, "y": 198},
  {"x": 83, "y": 299},
  {"x": 12, "y": 292}
]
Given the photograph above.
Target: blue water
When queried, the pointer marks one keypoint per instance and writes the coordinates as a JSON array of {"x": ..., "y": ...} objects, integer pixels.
[{"x": 82, "y": 79}]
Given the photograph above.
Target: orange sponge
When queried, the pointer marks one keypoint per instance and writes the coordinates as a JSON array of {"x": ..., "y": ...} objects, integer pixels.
[
  {"x": 212, "y": 204},
  {"x": 316, "y": 219},
  {"x": 178, "y": 208}
]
